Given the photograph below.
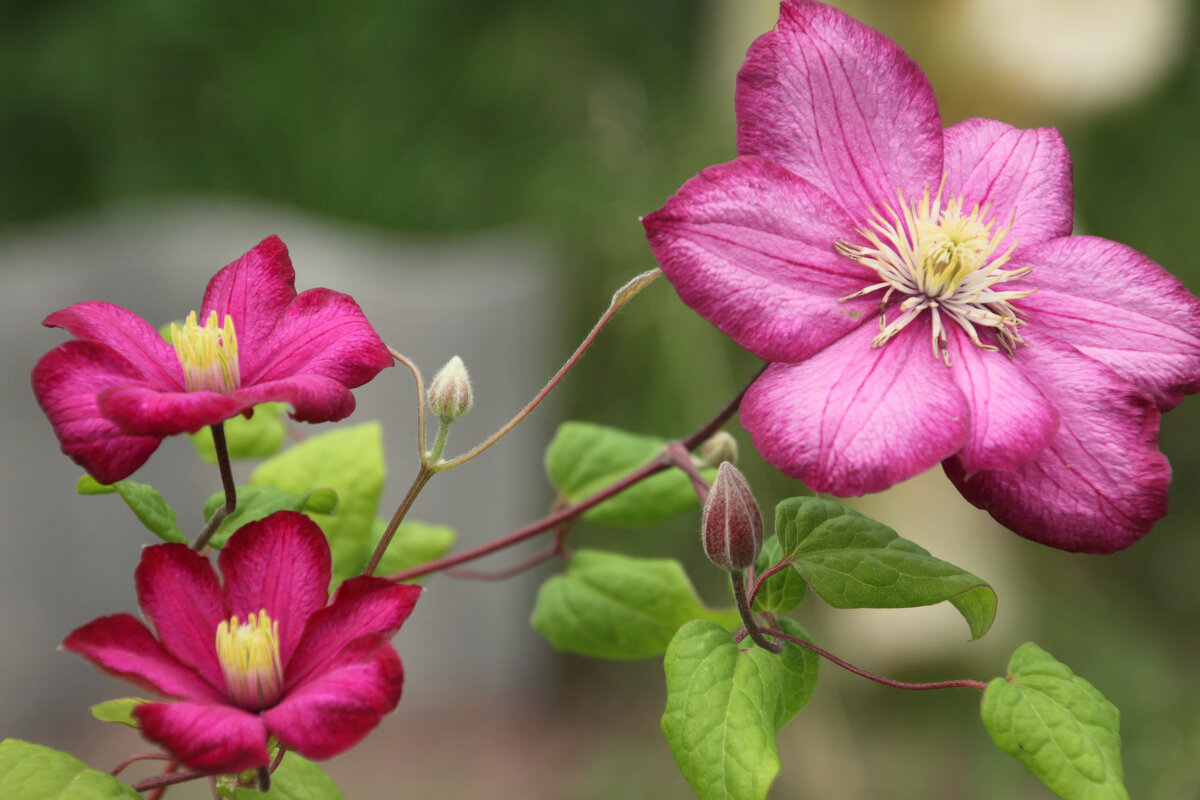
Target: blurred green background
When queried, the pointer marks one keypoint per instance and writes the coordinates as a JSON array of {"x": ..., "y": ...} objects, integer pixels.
[{"x": 575, "y": 117}]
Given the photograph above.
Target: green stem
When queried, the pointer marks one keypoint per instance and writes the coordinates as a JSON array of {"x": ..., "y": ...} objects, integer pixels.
[
  {"x": 214, "y": 522},
  {"x": 424, "y": 473},
  {"x": 439, "y": 441}
]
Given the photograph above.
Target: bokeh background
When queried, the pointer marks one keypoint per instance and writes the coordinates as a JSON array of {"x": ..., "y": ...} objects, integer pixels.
[{"x": 523, "y": 139}]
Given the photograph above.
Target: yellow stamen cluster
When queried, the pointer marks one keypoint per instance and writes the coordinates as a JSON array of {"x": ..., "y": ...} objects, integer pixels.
[
  {"x": 207, "y": 354},
  {"x": 945, "y": 261},
  {"x": 249, "y": 656}
]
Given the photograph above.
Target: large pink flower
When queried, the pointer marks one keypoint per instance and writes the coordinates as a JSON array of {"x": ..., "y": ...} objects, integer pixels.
[
  {"x": 922, "y": 299},
  {"x": 267, "y": 653},
  {"x": 118, "y": 388}
]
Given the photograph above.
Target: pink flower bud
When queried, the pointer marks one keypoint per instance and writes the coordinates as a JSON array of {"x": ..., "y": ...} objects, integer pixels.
[
  {"x": 450, "y": 394},
  {"x": 731, "y": 526}
]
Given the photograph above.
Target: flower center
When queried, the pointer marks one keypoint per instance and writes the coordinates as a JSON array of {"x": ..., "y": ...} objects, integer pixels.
[
  {"x": 249, "y": 656},
  {"x": 945, "y": 262},
  {"x": 208, "y": 355}
]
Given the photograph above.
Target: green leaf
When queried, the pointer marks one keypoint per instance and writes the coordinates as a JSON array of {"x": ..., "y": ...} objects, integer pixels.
[
  {"x": 118, "y": 711},
  {"x": 414, "y": 543},
  {"x": 856, "y": 562},
  {"x": 584, "y": 458},
  {"x": 784, "y": 590},
  {"x": 256, "y": 502},
  {"x": 1058, "y": 725},
  {"x": 35, "y": 772},
  {"x": 297, "y": 778},
  {"x": 614, "y": 606},
  {"x": 258, "y": 437},
  {"x": 146, "y": 503},
  {"x": 726, "y": 705},
  {"x": 350, "y": 462}
]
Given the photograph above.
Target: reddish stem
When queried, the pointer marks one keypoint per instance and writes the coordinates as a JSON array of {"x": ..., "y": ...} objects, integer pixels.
[
  {"x": 136, "y": 757},
  {"x": 167, "y": 779},
  {"x": 846, "y": 665},
  {"x": 758, "y": 583}
]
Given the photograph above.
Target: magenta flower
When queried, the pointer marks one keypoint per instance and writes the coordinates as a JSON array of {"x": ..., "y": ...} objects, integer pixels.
[
  {"x": 266, "y": 654},
  {"x": 922, "y": 299},
  {"x": 118, "y": 388}
]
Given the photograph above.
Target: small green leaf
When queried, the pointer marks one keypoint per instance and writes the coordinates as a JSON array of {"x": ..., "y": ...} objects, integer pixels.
[
  {"x": 1058, "y": 725},
  {"x": 118, "y": 711},
  {"x": 784, "y": 590},
  {"x": 856, "y": 562},
  {"x": 349, "y": 461},
  {"x": 297, "y": 778},
  {"x": 146, "y": 503},
  {"x": 256, "y": 502},
  {"x": 726, "y": 705},
  {"x": 414, "y": 543},
  {"x": 614, "y": 606},
  {"x": 35, "y": 772},
  {"x": 257, "y": 437},
  {"x": 584, "y": 458}
]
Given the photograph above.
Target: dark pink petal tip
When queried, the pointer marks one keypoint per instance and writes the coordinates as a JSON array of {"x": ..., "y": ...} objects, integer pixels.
[{"x": 207, "y": 737}]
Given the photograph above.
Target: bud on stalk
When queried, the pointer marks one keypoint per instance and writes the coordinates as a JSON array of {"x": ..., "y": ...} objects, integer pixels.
[
  {"x": 721, "y": 446},
  {"x": 450, "y": 396},
  {"x": 731, "y": 526}
]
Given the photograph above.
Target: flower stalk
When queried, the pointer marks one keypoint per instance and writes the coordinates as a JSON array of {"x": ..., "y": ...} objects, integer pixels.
[{"x": 226, "y": 470}]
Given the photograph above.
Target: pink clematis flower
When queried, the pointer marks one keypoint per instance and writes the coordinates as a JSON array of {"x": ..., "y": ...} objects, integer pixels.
[
  {"x": 266, "y": 654},
  {"x": 922, "y": 299},
  {"x": 118, "y": 388}
]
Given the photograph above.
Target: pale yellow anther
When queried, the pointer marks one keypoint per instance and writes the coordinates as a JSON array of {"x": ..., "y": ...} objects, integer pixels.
[
  {"x": 207, "y": 354},
  {"x": 249, "y": 656},
  {"x": 946, "y": 262}
]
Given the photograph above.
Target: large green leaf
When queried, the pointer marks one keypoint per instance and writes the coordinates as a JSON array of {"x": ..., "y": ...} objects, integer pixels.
[
  {"x": 784, "y": 590},
  {"x": 144, "y": 501},
  {"x": 350, "y": 462},
  {"x": 414, "y": 543},
  {"x": 856, "y": 562},
  {"x": 35, "y": 772},
  {"x": 256, "y": 502},
  {"x": 726, "y": 704},
  {"x": 615, "y": 606},
  {"x": 257, "y": 437},
  {"x": 1058, "y": 725},
  {"x": 584, "y": 458},
  {"x": 297, "y": 778}
]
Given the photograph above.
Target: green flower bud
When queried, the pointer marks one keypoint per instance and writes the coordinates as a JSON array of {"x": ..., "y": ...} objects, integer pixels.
[
  {"x": 721, "y": 446},
  {"x": 450, "y": 395},
  {"x": 731, "y": 526}
]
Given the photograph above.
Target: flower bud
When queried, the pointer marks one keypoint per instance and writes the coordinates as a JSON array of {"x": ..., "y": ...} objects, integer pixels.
[
  {"x": 731, "y": 526},
  {"x": 450, "y": 394},
  {"x": 721, "y": 446}
]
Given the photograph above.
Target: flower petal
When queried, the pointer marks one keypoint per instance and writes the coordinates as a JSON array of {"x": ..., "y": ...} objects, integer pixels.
[
  {"x": 749, "y": 246},
  {"x": 66, "y": 381},
  {"x": 1119, "y": 307},
  {"x": 1026, "y": 171},
  {"x": 322, "y": 332},
  {"x": 122, "y": 646},
  {"x": 254, "y": 290},
  {"x": 840, "y": 105},
  {"x": 1011, "y": 421},
  {"x": 281, "y": 564},
  {"x": 1101, "y": 483},
  {"x": 207, "y": 737},
  {"x": 178, "y": 591},
  {"x": 361, "y": 606},
  {"x": 149, "y": 412},
  {"x": 313, "y": 398},
  {"x": 339, "y": 707},
  {"x": 129, "y": 335},
  {"x": 855, "y": 419}
]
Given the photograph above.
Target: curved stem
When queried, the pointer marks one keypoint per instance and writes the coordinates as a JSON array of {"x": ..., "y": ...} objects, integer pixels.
[
  {"x": 416, "y": 373},
  {"x": 136, "y": 757},
  {"x": 214, "y": 522},
  {"x": 167, "y": 779},
  {"x": 738, "y": 579},
  {"x": 623, "y": 296},
  {"x": 653, "y": 467},
  {"x": 846, "y": 665},
  {"x": 424, "y": 473},
  {"x": 758, "y": 583}
]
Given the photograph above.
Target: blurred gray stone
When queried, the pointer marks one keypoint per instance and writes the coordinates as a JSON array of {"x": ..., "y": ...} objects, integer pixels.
[{"x": 66, "y": 559}]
